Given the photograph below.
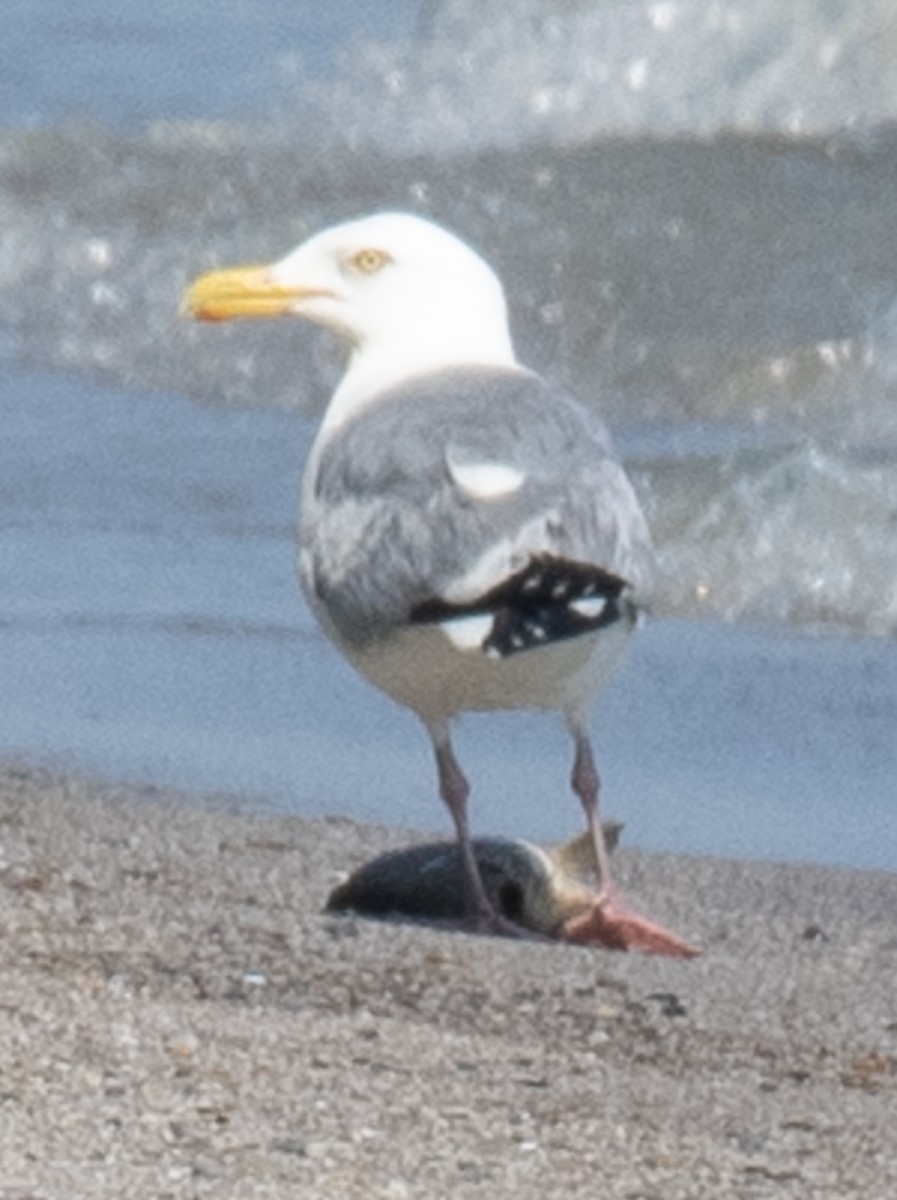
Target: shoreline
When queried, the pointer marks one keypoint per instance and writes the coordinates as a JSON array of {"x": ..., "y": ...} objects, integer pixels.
[
  {"x": 153, "y": 634},
  {"x": 179, "y": 1017}
]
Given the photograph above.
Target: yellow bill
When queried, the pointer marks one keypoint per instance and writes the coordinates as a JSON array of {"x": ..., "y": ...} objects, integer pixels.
[{"x": 235, "y": 292}]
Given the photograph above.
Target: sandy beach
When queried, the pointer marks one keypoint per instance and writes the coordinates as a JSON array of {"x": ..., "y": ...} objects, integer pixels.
[{"x": 179, "y": 1018}]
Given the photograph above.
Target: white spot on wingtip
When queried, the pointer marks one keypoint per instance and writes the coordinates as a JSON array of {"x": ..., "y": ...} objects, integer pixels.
[
  {"x": 486, "y": 480},
  {"x": 468, "y": 633},
  {"x": 589, "y": 607}
]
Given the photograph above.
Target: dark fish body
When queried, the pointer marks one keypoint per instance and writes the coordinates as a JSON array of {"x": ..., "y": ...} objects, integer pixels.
[{"x": 539, "y": 889}]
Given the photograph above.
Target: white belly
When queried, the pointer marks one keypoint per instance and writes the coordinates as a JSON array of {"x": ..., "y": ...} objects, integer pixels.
[{"x": 422, "y": 669}]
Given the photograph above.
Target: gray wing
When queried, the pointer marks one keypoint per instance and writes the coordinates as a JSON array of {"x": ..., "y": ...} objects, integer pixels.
[{"x": 449, "y": 486}]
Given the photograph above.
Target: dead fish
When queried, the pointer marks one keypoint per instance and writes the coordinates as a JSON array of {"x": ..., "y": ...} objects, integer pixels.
[{"x": 549, "y": 891}]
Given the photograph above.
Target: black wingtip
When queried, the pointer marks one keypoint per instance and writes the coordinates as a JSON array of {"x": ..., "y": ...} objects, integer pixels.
[{"x": 549, "y": 600}]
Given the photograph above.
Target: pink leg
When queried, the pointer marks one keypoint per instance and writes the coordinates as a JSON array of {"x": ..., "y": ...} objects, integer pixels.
[
  {"x": 610, "y": 922},
  {"x": 586, "y": 782},
  {"x": 455, "y": 789}
]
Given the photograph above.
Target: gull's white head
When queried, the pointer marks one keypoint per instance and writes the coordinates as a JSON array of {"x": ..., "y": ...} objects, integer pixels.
[{"x": 406, "y": 294}]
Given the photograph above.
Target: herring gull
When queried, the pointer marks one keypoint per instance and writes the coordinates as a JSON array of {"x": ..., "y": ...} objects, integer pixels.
[{"x": 468, "y": 538}]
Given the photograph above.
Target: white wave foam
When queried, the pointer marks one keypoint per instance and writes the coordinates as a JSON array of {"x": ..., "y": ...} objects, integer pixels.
[
  {"x": 486, "y": 74},
  {"x": 803, "y": 537}
]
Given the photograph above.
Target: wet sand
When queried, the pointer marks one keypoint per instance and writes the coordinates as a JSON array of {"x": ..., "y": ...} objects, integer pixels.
[{"x": 179, "y": 1018}]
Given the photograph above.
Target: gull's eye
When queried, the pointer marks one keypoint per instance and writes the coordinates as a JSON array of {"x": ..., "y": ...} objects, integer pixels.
[{"x": 369, "y": 261}]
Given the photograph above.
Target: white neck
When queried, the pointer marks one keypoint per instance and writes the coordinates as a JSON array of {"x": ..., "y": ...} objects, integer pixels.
[{"x": 373, "y": 368}]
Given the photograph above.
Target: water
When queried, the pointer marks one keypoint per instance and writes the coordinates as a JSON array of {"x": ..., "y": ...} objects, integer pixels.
[{"x": 693, "y": 208}]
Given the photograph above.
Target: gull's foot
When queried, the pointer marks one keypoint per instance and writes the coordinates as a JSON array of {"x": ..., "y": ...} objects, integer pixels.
[
  {"x": 611, "y": 924},
  {"x": 492, "y": 923}
]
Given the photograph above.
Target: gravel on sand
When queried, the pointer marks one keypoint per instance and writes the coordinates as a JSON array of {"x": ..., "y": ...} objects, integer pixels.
[{"x": 179, "y": 1018}]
